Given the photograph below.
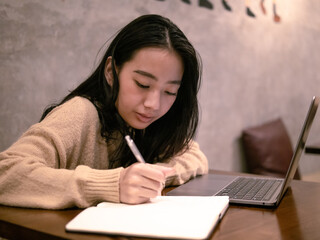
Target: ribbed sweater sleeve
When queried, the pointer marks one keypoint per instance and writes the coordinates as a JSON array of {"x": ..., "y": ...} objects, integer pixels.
[
  {"x": 187, "y": 165},
  {"x": 60, "y": 162}
]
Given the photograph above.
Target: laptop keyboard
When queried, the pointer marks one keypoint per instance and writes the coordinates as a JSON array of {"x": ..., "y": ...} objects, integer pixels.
[{"x": 251, "y": 189}]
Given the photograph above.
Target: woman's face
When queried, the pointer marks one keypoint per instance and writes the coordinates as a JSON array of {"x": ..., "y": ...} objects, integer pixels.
[{"x": 148, "y": 85}]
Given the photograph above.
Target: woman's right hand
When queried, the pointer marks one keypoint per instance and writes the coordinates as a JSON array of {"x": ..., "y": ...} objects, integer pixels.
[{"x": 142, "y": 181}]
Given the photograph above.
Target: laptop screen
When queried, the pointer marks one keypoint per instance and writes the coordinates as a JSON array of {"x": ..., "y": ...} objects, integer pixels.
[{"x": 300, "y": 144}]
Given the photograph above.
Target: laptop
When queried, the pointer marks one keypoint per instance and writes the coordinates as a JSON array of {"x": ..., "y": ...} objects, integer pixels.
[{"x": 256, "y": 191}]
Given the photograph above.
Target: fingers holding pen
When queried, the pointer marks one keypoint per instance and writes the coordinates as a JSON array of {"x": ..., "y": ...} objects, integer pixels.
[
  {"x": 140, "y": 182},
  {"x": 135, "y": 185}
]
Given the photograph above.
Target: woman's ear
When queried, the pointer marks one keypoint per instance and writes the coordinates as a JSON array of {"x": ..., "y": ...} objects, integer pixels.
[{"x": 108, "y": 71}]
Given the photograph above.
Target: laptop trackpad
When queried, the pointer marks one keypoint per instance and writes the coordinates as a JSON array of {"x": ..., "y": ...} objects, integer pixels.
[{"x": 206, "y": 185}]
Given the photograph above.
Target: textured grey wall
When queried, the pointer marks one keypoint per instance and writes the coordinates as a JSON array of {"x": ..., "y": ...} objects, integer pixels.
[{"x": 254, "y": 69}]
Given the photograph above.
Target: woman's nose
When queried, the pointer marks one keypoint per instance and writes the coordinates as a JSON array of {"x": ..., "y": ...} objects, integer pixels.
[{"x": 152, "y": 100}]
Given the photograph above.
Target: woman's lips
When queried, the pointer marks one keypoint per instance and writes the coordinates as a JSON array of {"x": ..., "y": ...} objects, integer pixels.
[{"x": 144, "y": 118}]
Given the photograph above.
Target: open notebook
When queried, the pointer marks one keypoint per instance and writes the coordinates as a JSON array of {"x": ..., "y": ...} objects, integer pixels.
[{"x": 163, "y": 217}]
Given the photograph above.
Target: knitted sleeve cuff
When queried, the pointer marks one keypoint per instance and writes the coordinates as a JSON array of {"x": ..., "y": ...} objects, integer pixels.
[{"x": 101, "y": 185}]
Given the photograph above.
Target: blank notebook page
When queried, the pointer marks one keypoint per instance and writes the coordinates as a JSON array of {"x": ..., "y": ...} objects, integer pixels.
[{"x": 171, "y": 217}]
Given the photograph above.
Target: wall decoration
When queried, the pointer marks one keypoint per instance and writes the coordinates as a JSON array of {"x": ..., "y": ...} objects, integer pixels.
[
  {"x": 202, "y": 3},
  {"x": 226, "y": 6},
  {"x": 276, "y": 17},
  {"x": 209, "y": 5},
  {"x": 248, "y": 10}
]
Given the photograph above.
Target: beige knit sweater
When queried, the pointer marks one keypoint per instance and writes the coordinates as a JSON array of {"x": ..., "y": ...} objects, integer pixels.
[{"x": 62, "y": 162}]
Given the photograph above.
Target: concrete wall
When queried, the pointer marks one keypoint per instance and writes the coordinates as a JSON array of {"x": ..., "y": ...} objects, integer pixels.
[{"x": 254, "y": 69}]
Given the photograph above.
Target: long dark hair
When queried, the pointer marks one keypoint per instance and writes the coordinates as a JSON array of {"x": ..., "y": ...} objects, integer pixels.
[{"x": 169, "y": 135}]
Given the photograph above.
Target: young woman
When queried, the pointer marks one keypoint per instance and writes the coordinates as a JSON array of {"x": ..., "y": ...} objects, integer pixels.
[{"x": 145, "y": 86}]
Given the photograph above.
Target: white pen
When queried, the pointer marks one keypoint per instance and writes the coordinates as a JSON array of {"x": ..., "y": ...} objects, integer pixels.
[{"x": 134, "y": 149}]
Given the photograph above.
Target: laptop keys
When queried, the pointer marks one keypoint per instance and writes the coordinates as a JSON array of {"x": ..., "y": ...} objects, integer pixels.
[{"x": 250, "y": 189}]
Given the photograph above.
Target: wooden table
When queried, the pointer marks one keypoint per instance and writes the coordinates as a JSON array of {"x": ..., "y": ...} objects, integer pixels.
[{"x": 297, "y": 217}]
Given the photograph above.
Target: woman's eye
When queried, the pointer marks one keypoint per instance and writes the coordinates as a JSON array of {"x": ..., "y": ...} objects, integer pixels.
[
  {"x": 171, "y": 93},
  {"x": 141, "y": 85}
]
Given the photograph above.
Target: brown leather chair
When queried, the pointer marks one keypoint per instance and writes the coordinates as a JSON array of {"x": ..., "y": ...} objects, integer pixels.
[{"x": 267, "y": 149}]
